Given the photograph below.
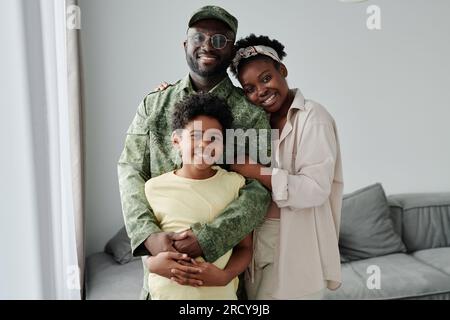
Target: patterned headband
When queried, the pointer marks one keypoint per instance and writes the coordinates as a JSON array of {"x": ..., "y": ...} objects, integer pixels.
[{"x": 245, "y": 53}]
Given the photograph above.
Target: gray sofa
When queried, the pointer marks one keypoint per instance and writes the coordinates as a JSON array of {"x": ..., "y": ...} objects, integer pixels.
[{"x": 395, "y": 247}]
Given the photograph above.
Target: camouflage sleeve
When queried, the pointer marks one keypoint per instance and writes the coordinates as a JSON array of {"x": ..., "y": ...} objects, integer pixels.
[
  {"x": 133, "y": 172},
  {"x": 236, "y": 221}
]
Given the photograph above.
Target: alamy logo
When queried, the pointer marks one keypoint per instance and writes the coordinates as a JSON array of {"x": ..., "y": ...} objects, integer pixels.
[
  {"x": 374, "y": 20},
  {"x": 211, "y": 147},
  {"x": 73, "y": 277},
  {"x": 374, "y": 279},
  {"x": 73, "y": 17}
]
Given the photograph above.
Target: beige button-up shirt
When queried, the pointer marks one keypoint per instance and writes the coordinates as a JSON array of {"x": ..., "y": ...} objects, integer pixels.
[{"x": 307, "y": 186}]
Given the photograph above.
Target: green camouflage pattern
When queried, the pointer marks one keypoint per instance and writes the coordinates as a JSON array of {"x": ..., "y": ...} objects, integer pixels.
[
  {"x": 148, "y": 153},
  {"x": 214, "y": 12}
]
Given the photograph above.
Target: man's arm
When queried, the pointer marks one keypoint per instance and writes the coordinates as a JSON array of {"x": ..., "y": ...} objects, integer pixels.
[
  {"x": 236, "y": 221},
  {"x": 133, "y": 172}
]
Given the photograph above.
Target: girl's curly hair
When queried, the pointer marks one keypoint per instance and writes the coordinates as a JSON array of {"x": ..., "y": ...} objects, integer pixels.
[{"x": 201, "y": 104}]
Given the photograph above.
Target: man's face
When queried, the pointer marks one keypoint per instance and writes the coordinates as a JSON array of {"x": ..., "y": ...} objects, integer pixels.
[{"x": 203, "y": 59}]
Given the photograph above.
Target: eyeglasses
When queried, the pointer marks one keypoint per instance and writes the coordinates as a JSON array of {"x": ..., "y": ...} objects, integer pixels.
[{"x": 218, "y": 41}]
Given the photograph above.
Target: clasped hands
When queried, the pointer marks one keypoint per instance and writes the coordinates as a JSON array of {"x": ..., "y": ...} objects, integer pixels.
[{"x": 173, "y": 257}]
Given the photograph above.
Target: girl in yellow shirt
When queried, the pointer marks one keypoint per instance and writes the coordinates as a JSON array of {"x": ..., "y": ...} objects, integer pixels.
[{"x": 196, "y": 193}]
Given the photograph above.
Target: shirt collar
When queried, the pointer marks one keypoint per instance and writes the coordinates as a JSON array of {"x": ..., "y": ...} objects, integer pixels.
[
  {"x": 299, "y": 100},
  {"x": 222, "y": 89}
]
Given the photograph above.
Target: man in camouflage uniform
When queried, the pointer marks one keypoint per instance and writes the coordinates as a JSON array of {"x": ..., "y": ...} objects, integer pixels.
[{"x": 148, "y": 149}]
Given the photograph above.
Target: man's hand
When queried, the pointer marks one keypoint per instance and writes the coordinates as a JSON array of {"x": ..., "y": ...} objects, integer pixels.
[
  {"x": 162, "y": 241},
  {"x": 187, "y": 243},
  {"x": 164, "y": 262},
  {"x": 163, "y": 86},
  {"x": 208, "y": 275}
]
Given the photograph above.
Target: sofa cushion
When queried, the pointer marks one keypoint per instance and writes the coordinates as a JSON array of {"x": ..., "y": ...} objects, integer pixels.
[
  {"x": 119, "y": 247},
  {"x": 366, "y": 227},
  {"x": 401, "y": 276},
  {"x": 425, "y": 219},
  {"x": 438, "y": 258},
  {"x": 351, "y": 285}
]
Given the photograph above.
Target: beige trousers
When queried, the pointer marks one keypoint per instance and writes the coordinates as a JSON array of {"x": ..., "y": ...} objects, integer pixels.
[{"x": 260, "y": 283}]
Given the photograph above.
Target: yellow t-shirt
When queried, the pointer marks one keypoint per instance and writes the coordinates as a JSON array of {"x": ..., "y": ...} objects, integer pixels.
[{"x": 178, "y": 203}]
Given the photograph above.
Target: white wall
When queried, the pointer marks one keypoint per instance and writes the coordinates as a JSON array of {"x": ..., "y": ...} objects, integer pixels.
[{"x": 389, "y": 90}]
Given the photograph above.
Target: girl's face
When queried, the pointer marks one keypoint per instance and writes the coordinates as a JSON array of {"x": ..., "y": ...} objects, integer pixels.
[
  {"x": 200, "y": 142},
  {"x": 264, "y": 84}
]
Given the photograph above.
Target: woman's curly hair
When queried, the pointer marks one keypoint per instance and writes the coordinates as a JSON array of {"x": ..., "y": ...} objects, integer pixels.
[{"x": 253, "y": 40}]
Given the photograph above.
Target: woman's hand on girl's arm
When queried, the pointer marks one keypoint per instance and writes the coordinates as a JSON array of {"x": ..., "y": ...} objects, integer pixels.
[{"x": 253, "y": 170}]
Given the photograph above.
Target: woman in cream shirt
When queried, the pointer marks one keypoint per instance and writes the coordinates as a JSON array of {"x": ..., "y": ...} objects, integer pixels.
[{"x": 296, "y": 254}]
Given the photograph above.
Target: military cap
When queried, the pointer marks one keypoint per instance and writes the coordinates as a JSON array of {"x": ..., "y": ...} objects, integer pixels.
[{"x": 214, "y": 12}]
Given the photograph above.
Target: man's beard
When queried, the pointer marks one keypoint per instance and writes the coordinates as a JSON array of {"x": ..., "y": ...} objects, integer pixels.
[{"x": 218, "y": 69}]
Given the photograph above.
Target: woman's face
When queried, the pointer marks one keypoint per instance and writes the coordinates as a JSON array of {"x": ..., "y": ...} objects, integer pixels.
[{"x": 264, "y": 84}]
